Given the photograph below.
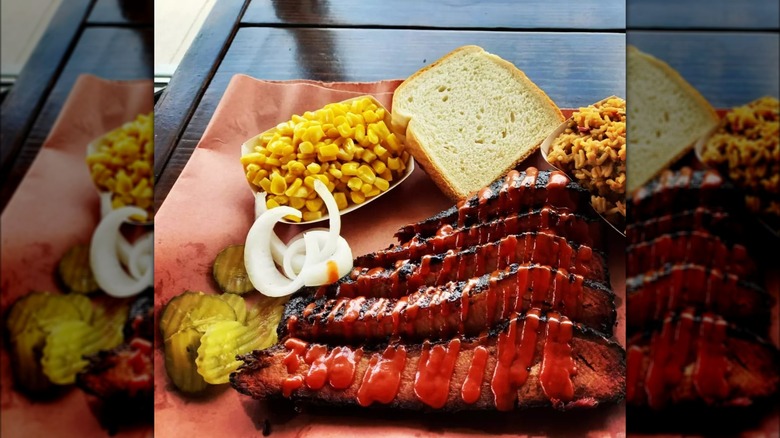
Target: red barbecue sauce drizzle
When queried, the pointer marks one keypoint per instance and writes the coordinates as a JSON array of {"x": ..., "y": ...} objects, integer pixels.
[
  {"x": 709, "y": 372},
  {"x": 336, "y": 367},
  {"x": 669, "y": 351},
  {"x": 634, "y": 358},
  {"x": 434, "y": 372},
  {"x": 383, "y": 376},
  {"x": 515, "y": 356},
  {"x": 333, "y": 271},
  {"x": 472, "y": 385},
  {"x": 558, "y": 365}
]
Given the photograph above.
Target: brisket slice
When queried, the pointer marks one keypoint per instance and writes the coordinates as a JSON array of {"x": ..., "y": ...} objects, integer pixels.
[
  {"x": 587, "y": 370},
  {"x": 696, "y": 247},
  {"x": 510, "y": 194},
  {"x": 462, "y": 307},
  {"x": 714, "y": 221},
  {"x": 437, "y": 269},
  {"x": 678, "y": 286},
  {"x": 569, "y": 226},
  {"x": 699, "y": 359},
  {"x": 681, "y": 190}
]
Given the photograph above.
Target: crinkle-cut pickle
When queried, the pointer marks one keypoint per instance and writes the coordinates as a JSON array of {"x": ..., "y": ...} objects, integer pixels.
[
  {"x": 229, "y": 271},
  {"x": 75, "y": 271},
  {"x": 181, "y": 350},
  {"x": 238, "y": 304},
  {"x": 194, "y": 310},
  {"x": 220, "y": 345}
]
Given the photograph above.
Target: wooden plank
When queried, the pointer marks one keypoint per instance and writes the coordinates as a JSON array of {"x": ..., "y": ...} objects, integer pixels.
[
  {"x": 738, "y": 67},
  {"x": 560, "y": 63},
  {"x": 122, "y": 12},
  {"x": 703, "y": 14},
  {"x": 553, "y": 14},
  {"x": 183, "y": 92},
  {"x": 21, "y": 105},
  {"x": 112, "y": 53}
]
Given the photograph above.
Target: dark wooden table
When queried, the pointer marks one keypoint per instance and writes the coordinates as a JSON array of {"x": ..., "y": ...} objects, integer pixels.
[
  {"x": 729, "y": 51},
  {"x": 112, "y": 39},
  {"x": 575, "y": 54}
]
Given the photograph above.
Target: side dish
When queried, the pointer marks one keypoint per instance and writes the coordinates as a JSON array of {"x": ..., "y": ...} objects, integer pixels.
[
  {"x": 121, "y": 163},
  {"x": 347, "y": 146},
  {"x": 746, "y": 147},
  {"x": 592, "y": 149}
]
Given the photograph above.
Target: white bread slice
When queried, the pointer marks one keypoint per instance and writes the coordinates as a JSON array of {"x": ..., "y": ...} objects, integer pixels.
[
  {"x": 666, "y": 116},
  {"x": 470, "y": 117}
]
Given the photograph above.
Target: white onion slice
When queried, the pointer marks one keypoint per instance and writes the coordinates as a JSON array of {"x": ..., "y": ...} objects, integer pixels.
[
  {"x": 278, "y": 247},
  {"x": 312, "y": 258},
  {"x": 259, "y": 263},
  {"x": 141, "y": 259},
  {"x": 334, "y": 221},
  {"x": 104, "y": 260}
]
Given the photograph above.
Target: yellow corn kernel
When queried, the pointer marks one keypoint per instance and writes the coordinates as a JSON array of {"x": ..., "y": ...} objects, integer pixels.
[
  {"x": 355, "y": 120},
  {"x": 366, "y": 189},
  {"x": 369, "y": 116},
  {"x": 393, "y": 143},
  {"x": 394, "y": 163},
  {"x": 312, "y": 215},
  {"x": 297, "y": 203},
  {"x": 381, "y": 184},
  {"x": 329, "y": 151},
  {"x": 387, "y": 175},
  {"x": 314, "y": 168},
  {"x": 303, "y": 192},
  {"x": 292, "y": 218},
  {"x": 281, "y": 199},
  {"x": 345, "y": 130},
  {"x": 252, "y": 157},
  {"x": 360, "y": 133},
  {"x": 380, "y": 112},
  {"x": 349, "y": 168},
  {"x": 265, "y": 183},
  {"x": 293, "y": 188},
  {"x": 296, "y": 167},
  {"x": 271, "y": 203},
  {"x": 371, "y": 135},
  {"x": 306, "y": 147},
  {"x": 314, "y": 204},
  {"x": 335, "y": 172},
  {"x": 368, "y": 156},
  {"x": 355, "y": 183},
  {"x": 380, "y": 152},
  {"x": 309, "y": 181},
  {"x": 278, "y": 184},
  {"x": 381, "y": 129},
  {"x": 373, "y": 193},
  {"x": 366, "y": 174},
  {"x": 273, "y": 162},
  {"x": 313, "y": 134},
  {"x": 341, "y": 200},
  {"x": 357, "y": 197},
  {"x": 324, "y": 178},
  {"x": 378, "y": 167}
]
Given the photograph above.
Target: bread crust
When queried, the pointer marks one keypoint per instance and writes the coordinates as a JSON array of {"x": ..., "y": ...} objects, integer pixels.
[
  {"x": 703, "y": 103},
  {"x": 403, "y": 123}
]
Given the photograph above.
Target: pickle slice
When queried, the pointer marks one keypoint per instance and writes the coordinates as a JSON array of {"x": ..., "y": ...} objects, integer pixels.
[
  {"x": 194, "y": 310},
  {"x": 69, "y": 341},
  {"x": 220, "y": 345},
  {"x": 82, "y": 304},
  {"x": 75, "y": 271},
  {"x": 181, "y": 350},
  {"x": 26, "y": 350},
  {"x": 238, "y": 304},
  {"x": 22, "y": 313},
  {"x": 229, "y": 271}
]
